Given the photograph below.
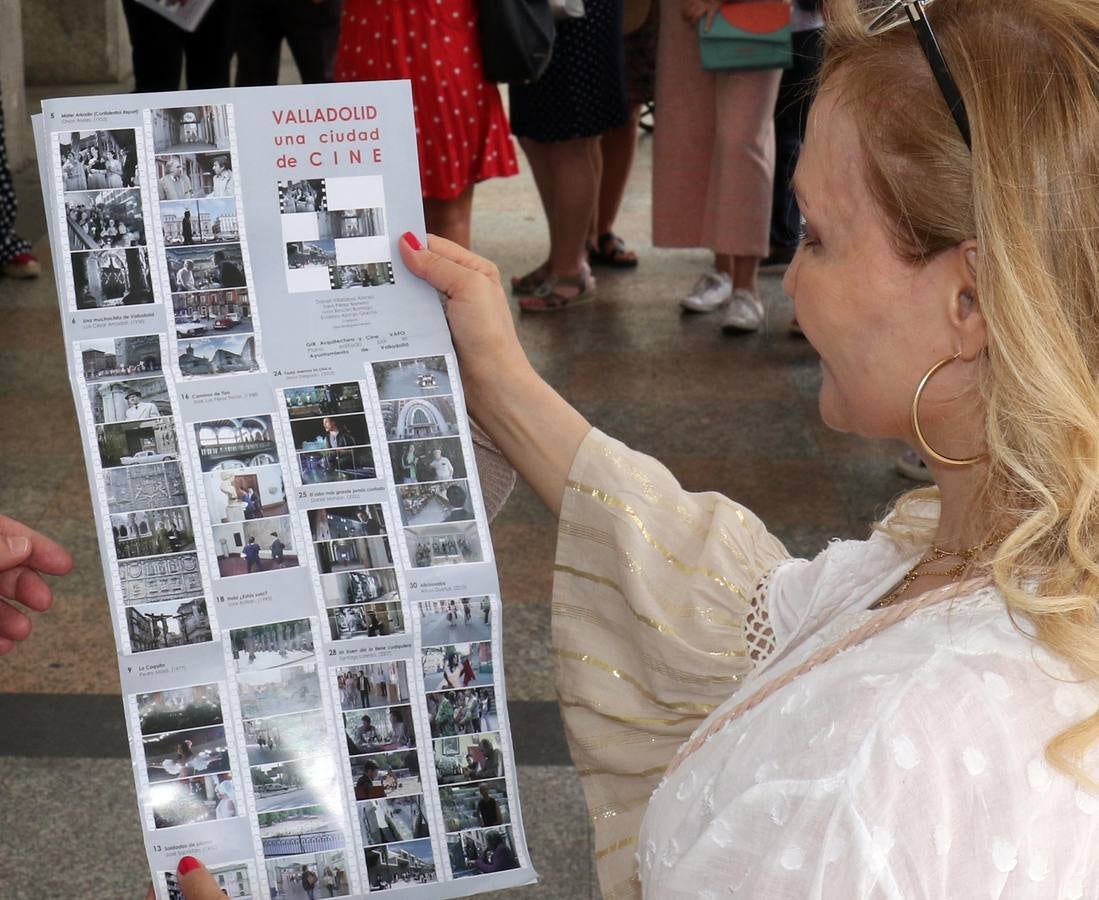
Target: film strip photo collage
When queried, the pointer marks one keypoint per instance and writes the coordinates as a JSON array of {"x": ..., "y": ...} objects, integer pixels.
[
  {"x": 204, "y": 247},
  {"x": 143, "y": 486},
  {"x": 104, "y": 214},
  {"x": 426, "y": 456},
  {"x": 334, "y": 233},
  {"x": 294, "y": 786}
]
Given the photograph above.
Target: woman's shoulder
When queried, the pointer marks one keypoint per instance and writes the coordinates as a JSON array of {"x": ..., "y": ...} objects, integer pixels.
[{"x": 803, "y": 595}]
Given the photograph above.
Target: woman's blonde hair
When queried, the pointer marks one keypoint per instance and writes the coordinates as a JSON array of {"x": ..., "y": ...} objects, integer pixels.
[{"x": 1028, "y": 192}]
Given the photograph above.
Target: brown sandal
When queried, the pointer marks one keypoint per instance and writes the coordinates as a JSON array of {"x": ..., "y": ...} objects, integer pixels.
[{"x": 546, "y": 298}]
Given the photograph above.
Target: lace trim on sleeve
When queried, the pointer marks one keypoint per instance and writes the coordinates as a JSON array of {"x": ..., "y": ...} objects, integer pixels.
[{"x": 758, "y": 634}]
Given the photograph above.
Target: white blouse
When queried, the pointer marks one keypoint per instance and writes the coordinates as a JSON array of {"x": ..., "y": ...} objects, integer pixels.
[{"x": 910, "y": 766}]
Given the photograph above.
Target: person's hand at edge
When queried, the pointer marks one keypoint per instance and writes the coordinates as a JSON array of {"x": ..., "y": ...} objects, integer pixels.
[
  {"x": 196, "y": 881},
  {"x": 25, "y": 556}
]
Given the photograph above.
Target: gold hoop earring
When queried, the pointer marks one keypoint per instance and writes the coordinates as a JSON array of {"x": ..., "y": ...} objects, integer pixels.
[{"x": 924, "y": 445}]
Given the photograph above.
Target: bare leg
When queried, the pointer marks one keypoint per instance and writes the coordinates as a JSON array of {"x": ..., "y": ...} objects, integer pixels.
[
  {"x": 543, "y": 180},
  {"x": 618, "y": 146},
  {"x": 575, "y": 188},
  {"x": 450, "y": 218}
]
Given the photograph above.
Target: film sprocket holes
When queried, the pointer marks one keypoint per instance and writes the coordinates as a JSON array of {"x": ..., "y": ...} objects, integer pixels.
[{"x": 295, "y": 546}]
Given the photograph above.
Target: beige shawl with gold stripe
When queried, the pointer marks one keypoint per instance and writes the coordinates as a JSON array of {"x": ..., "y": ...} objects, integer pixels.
[{"x": 650, "y": 596}]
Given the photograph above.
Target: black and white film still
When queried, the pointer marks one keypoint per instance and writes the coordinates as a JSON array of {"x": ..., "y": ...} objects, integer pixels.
[
  {"x": 134, "y": 488},
  {"x": 129, "y": 400},
  {"x": 187, "y": 755},
  {"x": 194, "y": 176},
  {"x": 372, "y": 685},
  {"x": 105, "y": 220},
  {"x": 205, "y": 267},
  {"x": 118, "y": 276},
  {"x": 328, "y": 427},
  {"x": 190, "y": 129},
  {"x": 334, "y": 233},
  {"x": 362, "y": 604},
  {"x": 99, "y": 160},
  {"x": 159, "y": 579},
  {"x": 400, "y": 865},
  {"x": 236, "y": 880}
]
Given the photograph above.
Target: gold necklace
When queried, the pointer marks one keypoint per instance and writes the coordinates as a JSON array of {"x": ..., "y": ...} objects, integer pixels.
[{"x": 935, "y": 555}]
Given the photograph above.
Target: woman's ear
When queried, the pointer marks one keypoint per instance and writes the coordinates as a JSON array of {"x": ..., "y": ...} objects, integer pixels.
[{"x": 966, "y": 315}]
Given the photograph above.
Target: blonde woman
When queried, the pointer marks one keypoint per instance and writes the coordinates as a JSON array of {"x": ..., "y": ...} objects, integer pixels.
[{"x": 913, "y": 715}]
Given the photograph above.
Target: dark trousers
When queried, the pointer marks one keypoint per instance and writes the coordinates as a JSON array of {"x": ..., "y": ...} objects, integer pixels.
[
  {"x": 795, "y": 96},
  {"x": 311, "y": 29},
  {"x": 160, "y": 49}
]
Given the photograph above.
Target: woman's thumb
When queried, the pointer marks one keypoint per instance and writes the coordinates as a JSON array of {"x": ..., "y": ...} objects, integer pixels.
[
  {"x": 196, "y": 880},
  {"x": 441, "y": 273}
]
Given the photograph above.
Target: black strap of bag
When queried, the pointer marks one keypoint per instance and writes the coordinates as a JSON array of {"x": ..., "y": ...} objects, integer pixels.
[
  {"x": 516, "y": 38},
  {"x": 810, "y": 6}
]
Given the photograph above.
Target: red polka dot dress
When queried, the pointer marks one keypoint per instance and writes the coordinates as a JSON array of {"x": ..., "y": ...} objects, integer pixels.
[{"x": 461, "y": 128}]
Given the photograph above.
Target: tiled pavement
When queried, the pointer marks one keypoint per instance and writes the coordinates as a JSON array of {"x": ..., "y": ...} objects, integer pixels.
[{"x": 730, "y": 414}]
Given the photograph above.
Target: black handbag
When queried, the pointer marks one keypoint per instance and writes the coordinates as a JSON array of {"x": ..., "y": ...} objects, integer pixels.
[{"x": 516, "y": 38}]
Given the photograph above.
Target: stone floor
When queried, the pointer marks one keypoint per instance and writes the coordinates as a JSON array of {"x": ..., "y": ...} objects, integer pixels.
[{"x": 736, "y": 415}]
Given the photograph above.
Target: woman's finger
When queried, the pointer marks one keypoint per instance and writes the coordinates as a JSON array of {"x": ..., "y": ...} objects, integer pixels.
[
  {"x": 197, "y": 882},
  {"x": 6, "y": 646},
  {"x": 459, "y": 254},
  {"x": 151, "y": 893},
  {"x": 444, "y": 274}
]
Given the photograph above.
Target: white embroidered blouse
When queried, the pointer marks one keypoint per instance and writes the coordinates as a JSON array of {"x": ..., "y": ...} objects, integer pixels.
[{"x": 910, "y": 766}]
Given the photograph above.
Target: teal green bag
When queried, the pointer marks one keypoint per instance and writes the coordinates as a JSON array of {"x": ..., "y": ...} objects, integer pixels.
[{"x": 752, "y": 35}]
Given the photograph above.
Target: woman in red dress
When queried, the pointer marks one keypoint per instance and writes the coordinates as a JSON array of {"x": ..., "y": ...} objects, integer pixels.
[{"x": 461, "y": 129}]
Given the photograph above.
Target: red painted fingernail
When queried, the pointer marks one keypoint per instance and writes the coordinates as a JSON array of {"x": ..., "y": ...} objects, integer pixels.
[
  {"x": 412, "y": 241},
  {"x": 188, "y": 864}
]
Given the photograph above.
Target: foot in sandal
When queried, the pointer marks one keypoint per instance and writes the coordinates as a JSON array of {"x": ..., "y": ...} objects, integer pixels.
[
  {"x": 527, "y": 284},
  {"x": 610, "y": 250},
  {"x": 559, "y": 292}
]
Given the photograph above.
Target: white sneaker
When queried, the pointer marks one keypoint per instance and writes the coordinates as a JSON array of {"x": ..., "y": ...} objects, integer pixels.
[
  {"x": 711, "y": 292},
  {"x": 745, "y": 313}
]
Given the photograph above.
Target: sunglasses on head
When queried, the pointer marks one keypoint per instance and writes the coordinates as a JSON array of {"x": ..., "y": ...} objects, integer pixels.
[{"x": 913, "y": 11}]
